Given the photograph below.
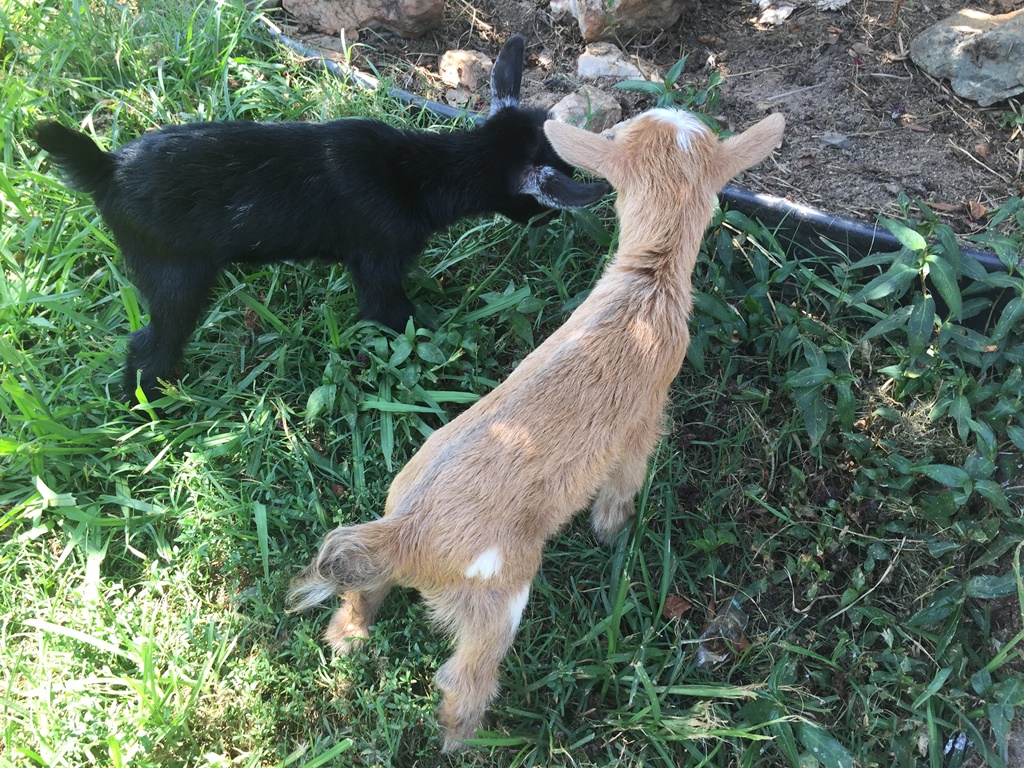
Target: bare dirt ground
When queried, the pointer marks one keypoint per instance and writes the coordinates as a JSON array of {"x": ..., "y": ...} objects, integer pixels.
[{"x": 845, "y": 71}]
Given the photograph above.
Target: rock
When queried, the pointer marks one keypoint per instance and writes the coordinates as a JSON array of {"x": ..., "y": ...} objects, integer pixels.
[
  {"x": 837, "y": 140},
  {"x": 460, "y": 98},
  {"x": 589, "y": 108},
  {"x": 603, "y": 19},
  {"x": 774, "y": 17},
  {"x": 465, "y": 69},
  {"x": 408, "y": 18},
  {"x": 605, "y": 60},
  {"x": 559, "y": 9},
  {"x": 980, "y": 54}
]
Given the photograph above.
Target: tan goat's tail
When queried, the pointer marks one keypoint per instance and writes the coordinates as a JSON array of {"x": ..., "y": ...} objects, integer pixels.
[{"x": 357, "y": 557}]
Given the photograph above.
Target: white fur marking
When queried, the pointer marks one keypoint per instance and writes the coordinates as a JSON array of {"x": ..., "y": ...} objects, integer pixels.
[
  {"x": 686, "y": 125},
  {"x": 533, "y": 183},
  {"x": 516, "y": 607},
  {"x": 503, "y": 102},
  {"x": 486, "y": 565}
]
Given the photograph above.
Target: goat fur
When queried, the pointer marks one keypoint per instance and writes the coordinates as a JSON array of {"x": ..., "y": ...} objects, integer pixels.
[
  {"x": 184, "y": 201},
  {"x": 466, "y": 520}
]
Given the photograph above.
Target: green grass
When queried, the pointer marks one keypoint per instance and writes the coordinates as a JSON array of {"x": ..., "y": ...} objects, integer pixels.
[{"x": 843, "y": 456}]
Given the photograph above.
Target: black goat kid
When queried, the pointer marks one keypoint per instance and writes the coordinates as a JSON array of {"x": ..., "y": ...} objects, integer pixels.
[{"x": 185, "y": 200}]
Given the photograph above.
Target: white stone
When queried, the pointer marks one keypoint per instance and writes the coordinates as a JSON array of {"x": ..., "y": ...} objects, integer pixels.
[
  {"x": 408, "y": 18},
  {"x": 590, "y": 108},
  {"x": 604, "y": 60},
  {"x": 559, "y": 9},
  {"x": 487, "y": 564},
  {"x": 606, "y": 19},
  {"x": 465, "y": 69}
]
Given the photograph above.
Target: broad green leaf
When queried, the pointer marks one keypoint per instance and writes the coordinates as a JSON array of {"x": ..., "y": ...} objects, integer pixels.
[
  {"x": 1016, "y": 435},
  {"x": 960, "y": 411},
  {"x": 715, "y": 307},
  {"x": 908, "y": 237},
  {"x": 402, "y": 349},
  {"x": 320, "y": 399},
  {"x": 938, "y": 610},
  {"x": 981, "y": 681},
  {"x": 815, "y": 412},
  {"x": 992, "y": 587},
  {"x": 430, "y": 353},
  {"x": 893, "y": 283},
  {"x": 592, "y": 226},
  {"x": 992, "y": 492},
  {"x": 641, "y": 86},
  {"x": 808, "y": 377},
  {"x": 522, "y": 327},
  {"x": 944, "y": 276},
  {"x": 950, "y": 247},
  {"x": 1010, "y": 317},
  {"x": 825, "y": 749},
  {"x": 897, "y": 319},
  {"x": 919, "y": 327},
  {"x": 846, "y": 402},
  {"x": 933, "y": 687},
  {"x": 946, "y": 474},
  {"x": 675, "y": 71}
]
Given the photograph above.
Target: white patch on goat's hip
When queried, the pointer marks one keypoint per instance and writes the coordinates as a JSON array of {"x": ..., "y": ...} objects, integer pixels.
[
  {"x": 486, "y": 565},
  {"x": 517, "y": 605},
  {"x": 687, "y": 126}
]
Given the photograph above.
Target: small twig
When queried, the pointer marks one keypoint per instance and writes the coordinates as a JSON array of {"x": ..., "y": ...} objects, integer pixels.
[
  {"x": 760, "y": 71},
  {"x": 881, "y": 580},
  {"x": 795, "y": 90},
  {"x": 892, "y": 77},
  {"x": 976, "y": 160},
  {"x": 792, "y": 597}
]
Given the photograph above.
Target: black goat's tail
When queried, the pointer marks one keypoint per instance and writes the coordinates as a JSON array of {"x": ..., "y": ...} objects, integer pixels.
[
  {"x": 88, "y": 166},
  {"x": 358, "y": 557}
]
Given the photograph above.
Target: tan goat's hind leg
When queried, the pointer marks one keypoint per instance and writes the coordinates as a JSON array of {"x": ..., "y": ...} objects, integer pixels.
[
  {"x": 484, "y": 623},
  {"x": 616, "y": 501},
  {"x": 351, "y": 623}
]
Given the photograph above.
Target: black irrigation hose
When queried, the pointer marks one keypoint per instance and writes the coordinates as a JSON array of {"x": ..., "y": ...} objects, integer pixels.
[
  {"x": 800, "y": 224},
  {"x": 808, "y": 227}
]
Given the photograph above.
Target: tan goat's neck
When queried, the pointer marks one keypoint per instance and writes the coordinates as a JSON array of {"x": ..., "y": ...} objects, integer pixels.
[{"x": 663, "y": 240}]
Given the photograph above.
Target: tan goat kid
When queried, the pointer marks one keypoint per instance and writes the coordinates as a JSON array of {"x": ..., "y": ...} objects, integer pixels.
[{"x": 467, "y": 518}]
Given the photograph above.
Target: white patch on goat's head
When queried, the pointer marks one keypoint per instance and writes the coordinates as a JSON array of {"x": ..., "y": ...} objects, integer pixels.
[
  {"x": 686, "y": 124},
  {"x": 533, "y": 184},
  {"x": 517, "y": 606},
  {"x": 486, "y": 566}
]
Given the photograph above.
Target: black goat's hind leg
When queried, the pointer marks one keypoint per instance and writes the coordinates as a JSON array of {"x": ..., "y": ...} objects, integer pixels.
[{"x": 176, "y": 296}]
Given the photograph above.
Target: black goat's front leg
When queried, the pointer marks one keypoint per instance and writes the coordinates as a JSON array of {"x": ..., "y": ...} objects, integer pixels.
[
  {"x": 176, "y": 295},
  {"x": 378, "y": 283}
]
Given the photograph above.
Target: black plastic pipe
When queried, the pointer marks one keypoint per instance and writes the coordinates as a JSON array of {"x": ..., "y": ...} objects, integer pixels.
[
  {"x": 808, "y": 227},
  {"x": 799, "y": 224}
]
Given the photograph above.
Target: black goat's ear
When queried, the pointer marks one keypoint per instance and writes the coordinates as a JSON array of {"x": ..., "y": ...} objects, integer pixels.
[
  {"x": 507, "y": 75},
  {"x": 550, "y": 187}
]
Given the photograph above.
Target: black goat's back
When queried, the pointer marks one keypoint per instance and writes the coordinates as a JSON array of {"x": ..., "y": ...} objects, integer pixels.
[{"x": 259, "y": 192}]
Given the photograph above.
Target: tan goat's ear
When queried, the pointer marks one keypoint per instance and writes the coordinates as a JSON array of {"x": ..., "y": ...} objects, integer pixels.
[
  {"x": 737, "y": 153},
  {"x": 586, "y": 150}
]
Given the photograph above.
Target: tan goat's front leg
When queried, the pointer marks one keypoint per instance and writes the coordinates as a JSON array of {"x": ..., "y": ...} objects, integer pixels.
[
  {"x": 616, "y": 501},
  {"x": 351, "y": 623},
  {"x": 484, "y": 623}
]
